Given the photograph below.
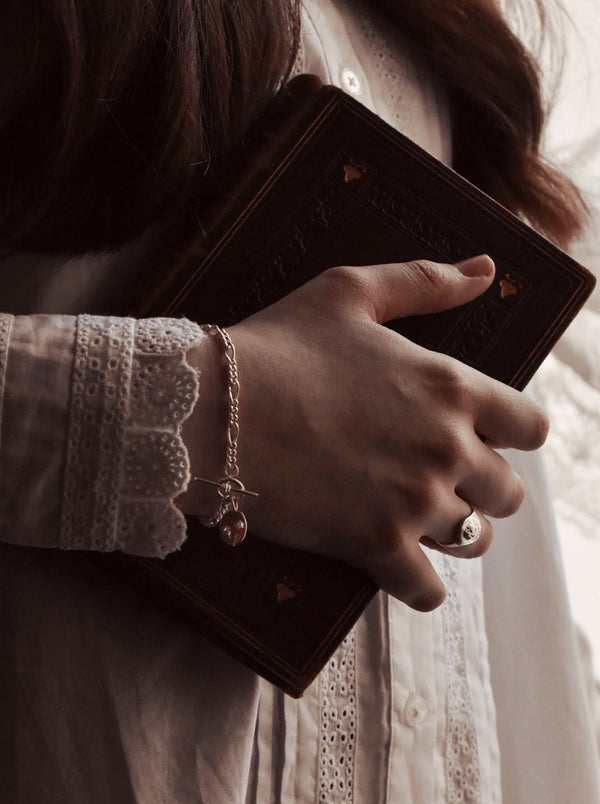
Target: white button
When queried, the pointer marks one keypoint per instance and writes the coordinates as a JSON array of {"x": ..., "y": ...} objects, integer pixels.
[
  {"x": 415, "y": 710},
  {"x": 350, "y": 81}
]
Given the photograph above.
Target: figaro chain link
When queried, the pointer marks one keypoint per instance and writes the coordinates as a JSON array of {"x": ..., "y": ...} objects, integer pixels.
[{"x": 232, "y": 522}]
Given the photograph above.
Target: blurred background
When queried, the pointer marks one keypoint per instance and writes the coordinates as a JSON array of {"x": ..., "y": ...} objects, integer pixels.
[{"x": 568, "y": 384}]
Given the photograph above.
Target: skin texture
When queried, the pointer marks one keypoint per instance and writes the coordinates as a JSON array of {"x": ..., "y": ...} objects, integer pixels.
[{"x": 362, "y": 445}]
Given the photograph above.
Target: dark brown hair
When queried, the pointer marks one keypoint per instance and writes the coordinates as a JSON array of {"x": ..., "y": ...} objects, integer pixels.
[
  {"x": 114, "y": 111},
  {"x": 498, "y": 113}
]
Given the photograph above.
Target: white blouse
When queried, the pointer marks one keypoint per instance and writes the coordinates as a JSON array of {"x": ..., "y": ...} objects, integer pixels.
[{"x": 109, "y": 700}]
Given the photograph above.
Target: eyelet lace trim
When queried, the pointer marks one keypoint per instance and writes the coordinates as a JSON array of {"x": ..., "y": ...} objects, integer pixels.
[
  {"x": 132, "y": 389},
  {"x": 396, "y": 76},
  {"x": 463, "y": 776},
  {"x": 300, "y": 59},
  {"x": 337, "y": 738},
  {"x": 5, "y": 328}
]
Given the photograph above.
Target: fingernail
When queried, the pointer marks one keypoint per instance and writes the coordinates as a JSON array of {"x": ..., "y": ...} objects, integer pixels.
[{"x": 481, "y": 265}]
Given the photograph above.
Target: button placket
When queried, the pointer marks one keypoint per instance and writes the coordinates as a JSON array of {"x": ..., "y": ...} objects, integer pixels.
[
  {"x": 415, "y": 710},
  {"x": 351, "y": 81}
]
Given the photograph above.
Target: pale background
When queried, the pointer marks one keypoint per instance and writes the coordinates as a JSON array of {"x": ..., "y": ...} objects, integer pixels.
[{"x": 568, "y": 384}]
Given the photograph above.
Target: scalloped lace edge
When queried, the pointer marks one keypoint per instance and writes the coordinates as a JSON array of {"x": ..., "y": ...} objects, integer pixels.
[{"x": 132, "y": 389}]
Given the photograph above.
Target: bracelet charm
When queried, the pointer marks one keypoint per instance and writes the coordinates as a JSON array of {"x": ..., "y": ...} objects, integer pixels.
[{"x": 233, "y": 527}]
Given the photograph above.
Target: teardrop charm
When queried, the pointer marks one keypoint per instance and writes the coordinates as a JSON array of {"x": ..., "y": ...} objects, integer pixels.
[{"x": 233, "y": 528}]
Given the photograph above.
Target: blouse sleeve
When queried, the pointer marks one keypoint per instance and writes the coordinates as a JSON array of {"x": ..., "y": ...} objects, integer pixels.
[{"x": 91, "y": 454}]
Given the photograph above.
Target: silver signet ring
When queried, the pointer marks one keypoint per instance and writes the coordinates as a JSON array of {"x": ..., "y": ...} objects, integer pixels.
[{"x": 469, "y": 531}]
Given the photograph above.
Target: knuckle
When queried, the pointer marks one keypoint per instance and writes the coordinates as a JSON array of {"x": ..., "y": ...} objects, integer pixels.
[
  {"x": 450, "y": 383},
  {"x": 345, "y": 281},
  {"x": 513, "y": 498},
  {"x": 539, "y": 427},
  {"x": 451, "y": 452},
  {"x": 426, "y": 272}
]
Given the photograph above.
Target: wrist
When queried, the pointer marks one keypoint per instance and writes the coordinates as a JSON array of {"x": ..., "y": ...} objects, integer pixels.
[{"x": 204, "y": 431}]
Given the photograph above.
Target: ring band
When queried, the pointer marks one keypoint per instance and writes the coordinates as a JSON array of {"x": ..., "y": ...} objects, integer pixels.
[{"x": 469, "y": 531}]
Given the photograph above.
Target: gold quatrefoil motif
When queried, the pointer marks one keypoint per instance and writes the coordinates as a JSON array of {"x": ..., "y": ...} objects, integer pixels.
[
  {"x": 287, "y": 590},
  {"x": 509, "y": 286},
  {"x": 352, "y": 173}
]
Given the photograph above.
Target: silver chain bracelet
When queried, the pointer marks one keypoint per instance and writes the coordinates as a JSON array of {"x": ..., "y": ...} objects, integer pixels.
[{"x": 232, "y": 522}]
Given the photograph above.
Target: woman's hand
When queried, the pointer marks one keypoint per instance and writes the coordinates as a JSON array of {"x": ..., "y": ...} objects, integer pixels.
[{"x": 361, "y": 444}]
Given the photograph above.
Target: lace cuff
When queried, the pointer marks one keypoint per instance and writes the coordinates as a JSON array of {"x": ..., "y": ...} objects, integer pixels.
[{"x": 126, "y": 462}]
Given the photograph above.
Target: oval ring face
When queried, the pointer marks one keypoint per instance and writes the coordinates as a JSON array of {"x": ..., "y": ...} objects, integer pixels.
[{"x": 469, "y": 531}]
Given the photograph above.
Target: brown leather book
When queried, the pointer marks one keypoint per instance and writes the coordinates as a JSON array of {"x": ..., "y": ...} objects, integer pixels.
[{"x": 324, "y": 182}]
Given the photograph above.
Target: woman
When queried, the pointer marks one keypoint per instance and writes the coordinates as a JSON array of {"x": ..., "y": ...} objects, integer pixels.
[{"x": 138, "y": 105}]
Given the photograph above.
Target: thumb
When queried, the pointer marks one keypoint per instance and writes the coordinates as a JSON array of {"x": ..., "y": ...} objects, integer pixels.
[{"x": 397, "y": 290}]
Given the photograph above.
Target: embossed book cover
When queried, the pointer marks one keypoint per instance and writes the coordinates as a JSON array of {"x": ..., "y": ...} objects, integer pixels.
[{"x": 331, "y": 184}]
